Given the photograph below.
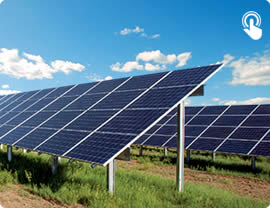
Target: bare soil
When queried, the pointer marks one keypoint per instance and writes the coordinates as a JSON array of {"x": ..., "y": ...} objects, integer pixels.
[
  {"x": 16, "y": 196},
  {"x": 250, "y": 187}
]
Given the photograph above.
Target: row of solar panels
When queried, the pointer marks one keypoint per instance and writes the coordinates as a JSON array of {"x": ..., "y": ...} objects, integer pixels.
[
  {"x": 94, "y": 122},
  {"x": 243, "y": 129}
]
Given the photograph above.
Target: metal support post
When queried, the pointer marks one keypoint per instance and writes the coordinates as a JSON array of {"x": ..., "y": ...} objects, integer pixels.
[
  {"x": 1, "y": 146},
  {"x": 9, "y": 149},
  {"x": 214, "y": 156},
  {"x": 24, "y": 150},
  {"x": 111, "y": 176},
  {"x": 141, "y": 150},
  {"x": 188, "y": 156},
  {"x": 253, "y": 163},
  {"x": 165, "y": 152},
  {"x": 54, "y": 164},
  {"x": 180, "y": 146}
]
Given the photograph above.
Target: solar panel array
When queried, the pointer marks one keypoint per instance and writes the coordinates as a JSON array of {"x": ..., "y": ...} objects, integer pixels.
[
  {"x": 239, "y": 129},
  {"x": 94, "y": 122}
]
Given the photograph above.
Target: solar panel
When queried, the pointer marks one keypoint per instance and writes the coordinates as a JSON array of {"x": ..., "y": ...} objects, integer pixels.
[
  {"x": 239, "y": 129},
  {"x": 95, "y": 122}
]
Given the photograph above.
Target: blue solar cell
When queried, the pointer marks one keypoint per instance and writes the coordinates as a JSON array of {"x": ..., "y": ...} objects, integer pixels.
[
  {"x": 171, "y": 143},
  {"x": 257, "y": 121},
  {"x": 193, "y": 130},
  {"x": 263, "y": 149},
  {"x": 22, "y": 106},
  {"x": 206, "y": 144},
  {"x": 14, "y": 135},
  {"x": 80, "y": 89},
  {"x": 188, "y": 76},
  {"x": 229, "y": 120},
  {"x": 61, "y": 119},
  {"x": 99, "y": 147},
  {"x": 161, "y": 97},
  {"x": 156, "y": 140},
  {"x": 240, "y": 110},
  {"x": 5, "y": 129},
  {"x": 118, "y": 100},
  {"x": 164, "y": 120},
  {"x": 267, "y": 137},
  {"x": 42, "y": 93},
  {"x": 263, "y": 109},
  {"x": 11, "y": 100},
  {"x": 142, "y": 82},
  {"x": 167, "y": 130},
  {"x": 108, "y": 85},
  {"x": 91, "y": 120},
  {"x": 188, "y": 141},
  {"x": 20, "y": 118},
  {"x": 173, "y": 121},
  {"x": 236, "y": 146},
  {"x": 249, "y": 133},
  {"x": 132, "y": 121},
  {"x": 188, "y": 118},
  {"x": 218, "y": 132},
  {"x": 86, "y": 101},
  {"x": 141, "y": 139},
  {"x": 202, "y": 120},
  {"x": 152, "y": 130},
  {"x": 7, "y": 116},
  {"x": 35, "y": 138},
  {"x": 62, "y": 142},
  {"x": 59, "y": 91},
  {"x": 40, "y": 104},
  {"x": 192, "y": 110},
  {"x": 38, "y": 119},
  {"x": 213, "y": 110},
  {"x": 60, "y": 103}
]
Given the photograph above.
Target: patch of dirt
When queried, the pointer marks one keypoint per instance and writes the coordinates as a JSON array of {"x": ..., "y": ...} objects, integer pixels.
[
  {"x": 251, "y": 187},
  {"x": 15, "y": 196}
]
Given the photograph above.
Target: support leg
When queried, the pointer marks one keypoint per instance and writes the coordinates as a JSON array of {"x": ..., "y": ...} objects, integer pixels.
[
  {"x": 1, "y": 146},
  {"x": 165, "y": 152},
  {"x": 188, "y": 156},
  {"x": 9, "y": 149},
  {"x": 111, "y": 176},
  {"x": 214, "y": 156},
  {"x": 54, "y": 164},
  {"x": 180, "y": 146},
  {"x": 141, "y": 150},
  {"x": 253, "y": 163},
  {"x": 24, "y": 150}
]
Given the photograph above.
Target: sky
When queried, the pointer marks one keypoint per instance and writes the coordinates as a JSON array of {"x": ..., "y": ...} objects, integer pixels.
[{"x": 50, "y": 43}]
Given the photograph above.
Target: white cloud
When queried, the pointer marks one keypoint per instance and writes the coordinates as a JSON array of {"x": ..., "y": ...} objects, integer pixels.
[
  {"x": 268, "y": 1},
  {"x": 7, "y": 92},
  {"x": 1, "y": 1},
  {"x": 251, "y": 70},
  {"x": 183, "y": 58},
  {"x": 127, "y": 67},
  {"x": 257, "y": 100},
  {"x": 108, "y": 78},
  {"x": 138, "y": 30},
  {"x": 5, "y": 86},
  {"x": 96, "y": 78},
  {"x": 227, "y": 59},
  {"x": 158, "y": 35},
  {"x": 188, "y": 102},
  {"x": 127, "y": 31},
  {"x": 32, "y": 66},
  {"x": 154, "y": 60}
]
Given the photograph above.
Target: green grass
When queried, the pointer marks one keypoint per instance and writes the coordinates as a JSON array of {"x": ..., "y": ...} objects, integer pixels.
[
  {"x": 79, "y": 183},
  {"x": 225, "y": 164}
]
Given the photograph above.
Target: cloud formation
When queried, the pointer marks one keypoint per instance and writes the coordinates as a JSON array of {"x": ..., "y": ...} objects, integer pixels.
[
  {"x": 96, "y": 78},
  {"x": 32, "y": 66},
  {"x": 152, "y": 61},
  {"x": 251, "y": 71},
  {"x": 1, "y": 1},
  {"x": 257, "y": 100},
  {"x": 5, "y": 86},
  {"x": 138, "y": 30},
  {"x": 7, "y": 92}
]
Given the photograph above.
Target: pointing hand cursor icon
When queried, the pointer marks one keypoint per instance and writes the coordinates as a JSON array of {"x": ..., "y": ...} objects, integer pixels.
[{"x": 253, "y": 30}]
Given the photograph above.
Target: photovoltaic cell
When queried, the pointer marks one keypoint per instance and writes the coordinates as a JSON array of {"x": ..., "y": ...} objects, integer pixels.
[
  {"x": 99, "y": 129},
  {"x": 206, "y": 144},
  {"x": 240, "y": 110},
  {"x": 213, "y": 110},
  {"x": 236, "y": 146},
  {"x": 257, "y": 121},
  {"x": 263, "y": 149},
  {"x": 202, "y": 120},
  {"x": 249, "y": 133},
  {"x": 263, "y": 109}
]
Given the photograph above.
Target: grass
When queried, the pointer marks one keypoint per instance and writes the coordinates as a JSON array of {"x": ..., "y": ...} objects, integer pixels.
[
  {"x": 79, "y": 183},
  {"x": 225, "y": 164}
]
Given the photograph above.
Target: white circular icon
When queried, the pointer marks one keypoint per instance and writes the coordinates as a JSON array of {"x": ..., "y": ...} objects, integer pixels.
[{"x": 253, "y": 14}]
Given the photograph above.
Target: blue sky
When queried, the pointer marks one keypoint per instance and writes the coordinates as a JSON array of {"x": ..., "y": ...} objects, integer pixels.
[{"x": 55, "y": 43}]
